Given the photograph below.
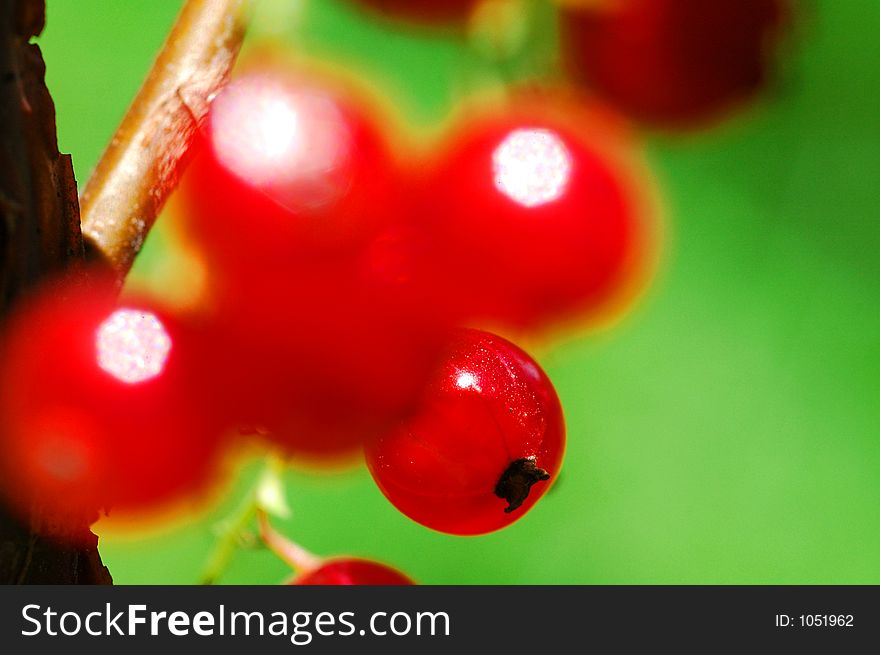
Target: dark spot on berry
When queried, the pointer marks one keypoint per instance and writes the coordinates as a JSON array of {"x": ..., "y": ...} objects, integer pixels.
[{"x": 516, "y": 482}]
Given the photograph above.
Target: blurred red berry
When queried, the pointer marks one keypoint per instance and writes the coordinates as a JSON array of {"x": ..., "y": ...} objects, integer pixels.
[
  {"x": 288, "y": 169},
  {"x": 530, "y": 222},
  {"x": 673, "y": 63},
  {"x": 303, "y": 212},
  {"x": 321, "y": 359},
  {"x": 101, "y": 404},
  {"x": 486, "y": 444},
  {"x": 350, "y": 571}
]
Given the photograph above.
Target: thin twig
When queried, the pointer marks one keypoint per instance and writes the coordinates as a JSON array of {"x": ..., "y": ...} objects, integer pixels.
[{"x": 143, "y": 161}]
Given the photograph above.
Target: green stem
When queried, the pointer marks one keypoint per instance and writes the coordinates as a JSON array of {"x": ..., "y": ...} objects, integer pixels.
[{"x": 236, "y": 524}]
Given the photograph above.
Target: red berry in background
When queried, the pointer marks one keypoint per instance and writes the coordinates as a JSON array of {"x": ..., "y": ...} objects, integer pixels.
[
  {"x": 532, "y": 222},
  {"x": 298, "y": 202},
  {"x": 288, "y": 168},
  {"x": 673, "y": 63},
  {"x": 325, "y": 350},
  {"x": 485, "y": 445},
  {"x": 100, "y": 405},
  {"x": 321, "y": 359},
  {"x": 423, "y": 11},
  {"x": 349, "y": 571}
]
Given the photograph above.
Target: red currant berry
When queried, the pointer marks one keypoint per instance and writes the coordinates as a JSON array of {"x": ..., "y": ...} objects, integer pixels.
[
  {"x": 323, "y": 358},
  {"x": 350, "y": 571},
  {"x": 299, "y": 203},
  {"x": 322, "y": 362},
  {"x": 673, "y": 63},
  {"x": 532, "y": 222},
  {"x": 423, "y": 11},
  {"x": 289, "y": 169},
  {"x": 485, "y": 445},
  {"x": 100, "y": 405}
]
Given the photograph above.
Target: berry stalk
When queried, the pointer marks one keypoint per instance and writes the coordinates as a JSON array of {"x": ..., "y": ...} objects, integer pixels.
[
  {"x": 294, "y": 555},
  {"x": 230, "y": 531}
]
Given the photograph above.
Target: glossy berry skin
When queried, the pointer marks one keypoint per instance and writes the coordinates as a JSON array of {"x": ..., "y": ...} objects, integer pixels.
[
  {"x": 531, "y": 222},
  {"x": 351, "y": 571},
  {"x": 423, "y": 11},
  {"x": 100, "y": 406},
  {"x": 673, "y": 63},
  {"x": 486, "y": 444}
]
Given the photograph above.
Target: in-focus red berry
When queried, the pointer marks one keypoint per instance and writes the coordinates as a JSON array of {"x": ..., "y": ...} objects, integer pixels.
[
  {"x": 350, "y": 571},
  {"x": 485, "y": 446},
  {"x": 100, "y": 405},
  {"x": 423, "y": 11},
  {"x": 531, "y": 221},
  {"x": 673, "y": 63}
]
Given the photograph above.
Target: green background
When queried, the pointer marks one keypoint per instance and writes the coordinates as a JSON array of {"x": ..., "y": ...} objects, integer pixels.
[{"x": 727, "y": 431}]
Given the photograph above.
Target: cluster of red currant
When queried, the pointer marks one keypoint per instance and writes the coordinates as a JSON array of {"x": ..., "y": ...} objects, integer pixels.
[
  {"x": 673, "y": 64},
  {"x": 346, "y": 277}
]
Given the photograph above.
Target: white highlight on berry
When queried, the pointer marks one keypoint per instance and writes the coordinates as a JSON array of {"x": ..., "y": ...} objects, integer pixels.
[
  {"x": 132, "y": 345},
  {"x": 532, "y": 167},
  {"x": 466, "y": 380},
  {"x": 270, "y": 132}
]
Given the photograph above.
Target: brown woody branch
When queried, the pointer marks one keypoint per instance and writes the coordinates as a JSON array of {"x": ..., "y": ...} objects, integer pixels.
[
  {"x": 143, "y": 161},
  {"x": 39, "y": 234}
]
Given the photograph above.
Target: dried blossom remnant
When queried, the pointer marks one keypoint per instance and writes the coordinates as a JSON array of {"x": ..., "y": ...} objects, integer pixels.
[
  {"x": 516, "y": 482},
  {"x": 141, "y": 166}
]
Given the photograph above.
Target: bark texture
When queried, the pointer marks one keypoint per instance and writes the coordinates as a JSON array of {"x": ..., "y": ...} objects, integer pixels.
[{"x": 39, "y": 234}]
